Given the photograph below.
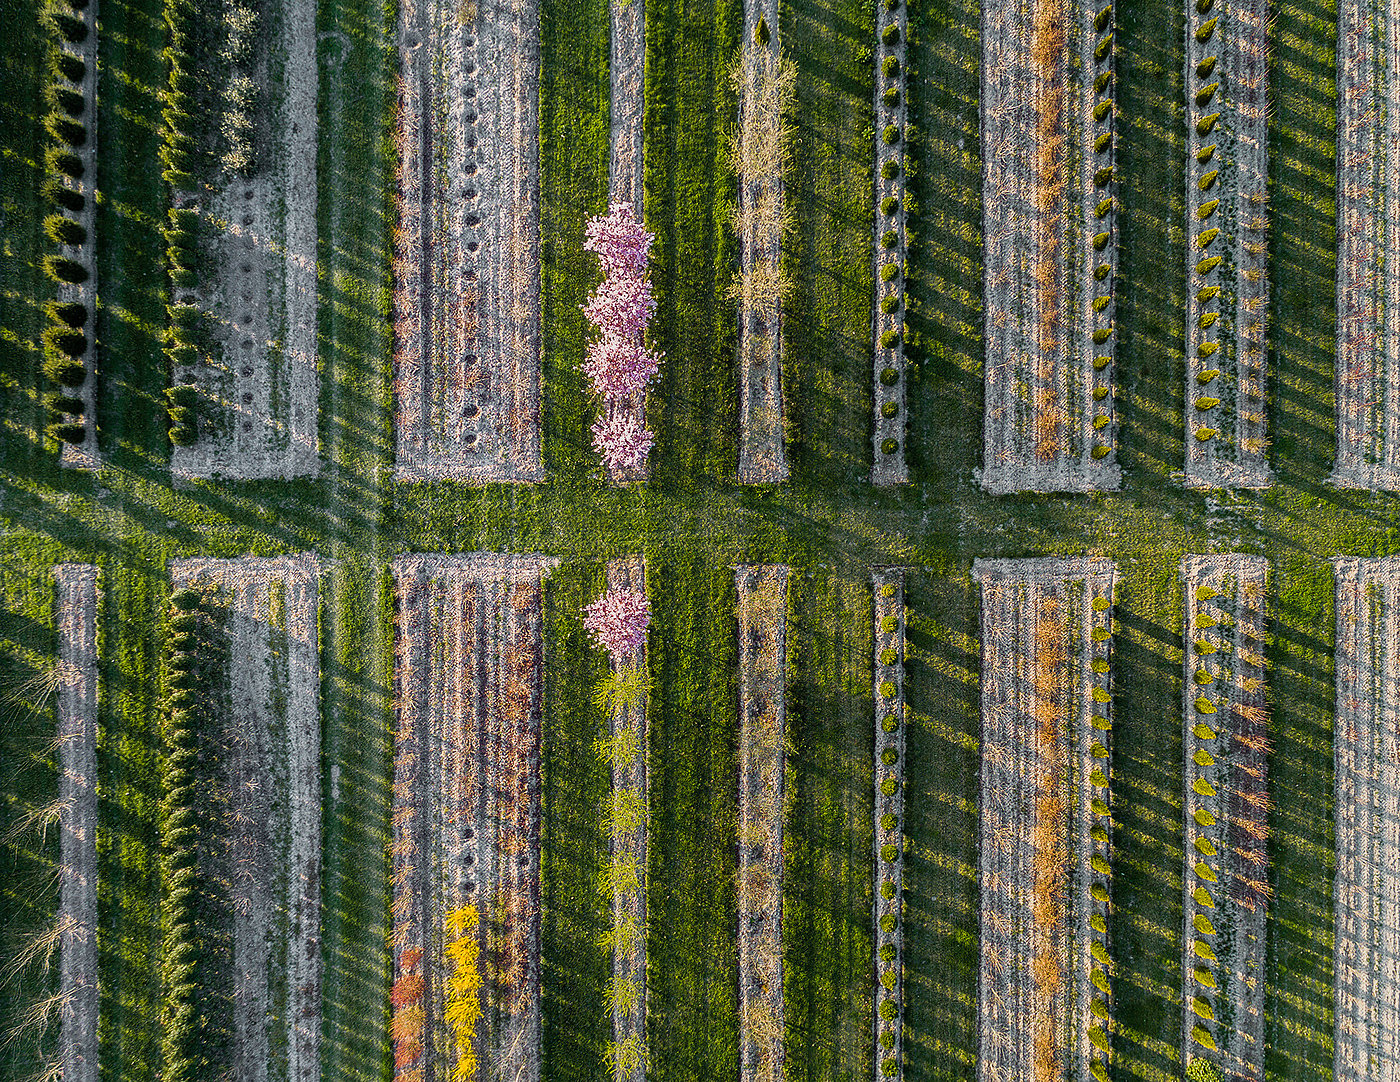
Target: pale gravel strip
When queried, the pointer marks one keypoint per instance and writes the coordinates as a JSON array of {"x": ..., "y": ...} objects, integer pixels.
[
  {"x": 265, "y": 375},
  {"x": 629, "y": 573},
  {"x": 85, "y": 455},
  {"x": 1367, "y": 886},
  {"x": 1239, "y": 939},
  {"x": 762, "y": 613},
  {"x": 77, "y": 597},
  {"x": 1014, "y": 593},
  {"x": 762, "y": 443},
  {"x": 893, "y": 871},
  {"x": 273, "y": 601},
  {"x": 889, "y": 469}
]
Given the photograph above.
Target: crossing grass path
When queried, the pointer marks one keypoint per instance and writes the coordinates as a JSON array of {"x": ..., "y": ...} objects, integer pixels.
[{"x": 693, "y": 524}]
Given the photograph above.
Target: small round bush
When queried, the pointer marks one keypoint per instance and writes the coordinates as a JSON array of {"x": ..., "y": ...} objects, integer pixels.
[
  {"x": 62, "y": 269},
  {"x": 183, "y": 435},
  {"x": 888, "y": 1011},
  {"x": 73, "y": 313},
  {"x": 64, "y": 339},
  {"x": 889, "y": 756},
  {"x": 890, "y": 169},
  {"x": 63, "y": 230},
  {"x": 888, "y": 981},
  {"x": 65, "y": 163},
  {"x": 183, "y": 277},
  {"x": 888, "y": 821},
  {"x": 888, "y": 923},
  {"x": 66, "y": 130},
  {"x": 182, "y": 416},
  {"x": 889, "y": 339},
  {"x": 888, "y": 656},
  {"x": 889, "y": 624},
  {"x": 889, "y": 377},
  {"x": 71, "y": 67},
  {"x": 890, "y": 35},
  {"x": 182, "y": 394},
  {"x": 69, "y": 101},
  {"x": 890, "y": 66},
  {"x": 69, "y": 28},
  {"x": 890, "y": 724},
  {"x": 184, "y": 316},
  {"x": 891, "y": 97},
  {"x": 69, "y": 433},
  {"x": 58, "y": 194},
  {"x": 888, "y": 953},
  {"x": 181, "y": 354},
  {"x": 889, "y": 238},
  {"x": 887, "y": 590},
  {"x": 64, "y": 403},
  {"x": 889, "y": 271},
  {"x": 888, "y": 852},
  {"x": 887, "y": 889},
  {"x": 889, "y": 409},
  {"x": 887, "y": 687},
  {"x": 64, "y": 370},
  {"x": 889, "y": 787},
  {"x": 889, "y": 204},
  {"x": 180, "y": 181},
  {"x": 889, "y": 305},
  {"x": 890, "y": 135},
  {"x": 889, "y": 446},
  {"x": 185, "y": 600}
]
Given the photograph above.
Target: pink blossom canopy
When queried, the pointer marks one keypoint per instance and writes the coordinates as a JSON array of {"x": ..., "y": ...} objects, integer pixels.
[
  {"x": 619, "y": 241},
  {"x": 622, "y": 440},
  {"x": 618, "y": 622},
  {"x": 619, "y": 368}
]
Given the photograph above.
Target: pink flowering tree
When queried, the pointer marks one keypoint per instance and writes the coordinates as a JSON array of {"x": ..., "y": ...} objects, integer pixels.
[
  {"x": 618, "y": 623},
  {"x": 619, "y": 364}
]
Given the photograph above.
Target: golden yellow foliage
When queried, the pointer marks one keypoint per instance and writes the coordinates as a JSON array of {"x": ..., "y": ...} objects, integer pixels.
[{"x": 463, "y": 988}]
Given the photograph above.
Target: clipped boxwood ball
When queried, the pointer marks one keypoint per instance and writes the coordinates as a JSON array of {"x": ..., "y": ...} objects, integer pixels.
[
  {"x": 888, "y": 821},
  {"x": 185, "y": 600},
  {"x": 889, "y": 376},
  {"x": 889, "y": 271},
  {"x": 889, "y": 339},
  {"x": 69, "y": 433},
  {"x": 888, "y": 923},
  {"x": 891, "y": 133},
  {"x": 890, "y": 169},
  {"x": 890, "y": 724},
  {"x": 889, "y": 409},
  {"x": 889, "y": 446},
  {"x": 887, "y": 889},
  {"x": 888, "y": 852}
]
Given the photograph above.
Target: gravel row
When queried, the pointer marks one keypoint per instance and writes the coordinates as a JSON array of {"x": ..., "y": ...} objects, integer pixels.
[
  {"x": 77, "y": 598},
  {"x": 1042, "y": 864},
  {"x": 887, "y": 915},
  {"x": 1047, "y": 137},
  {"x": 1366, "y": 969},
  {"x": 1227, "y": 254},
  {"x": 468, "y": 702},
  {"x": 1368, "y": 245},
  {"x": 467, "y": 371},
  {"x": 269, "y": 765},
  {"x": 1225, "y": 787},
  {"x": 762, "y": 613}
]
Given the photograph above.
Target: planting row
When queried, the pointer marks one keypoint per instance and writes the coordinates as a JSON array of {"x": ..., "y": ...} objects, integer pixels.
[
  {"x": 1049, "y": 246},
  {"x": 466, "y": 259},
  {"x": 1368, "y": 246},
  {"x": 1367, "y": 888},
  {"x": 1043, "y": 974},
  {"x": 77, "y": 597},
  {"x": 1227, "y": 220},
  {"x": 240, "y": 157},
  {"x": 242, "y": 821},
  {"x": 891, "y": 242},
  {"x": 888, "y": 914},
  {"x": 760, "y": 151},
  {"x": 466, "y": 816},
  {"x": 762, "y": 597},
  {"x": 70, "y": 358},
  {"x": 1225, "y": 877},
  {"x": 618, "y": 622}
]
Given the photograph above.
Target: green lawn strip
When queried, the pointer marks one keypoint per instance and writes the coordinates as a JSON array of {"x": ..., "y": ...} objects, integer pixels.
[
  {"x": 29, "y": 862},
  {"x": 575, "y": 106},
  {"x": 690, "y": 108},
  {"x": 827, "y": 855},
  {"x": 942, "y": 772},
  {"x": 573, "y": 839},
  {"x": 692, "y": 976},
  {"x": 827, "y": 256}
]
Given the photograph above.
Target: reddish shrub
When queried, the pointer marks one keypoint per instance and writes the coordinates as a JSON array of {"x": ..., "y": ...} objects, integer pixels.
[{"x": 407, "y": 989}]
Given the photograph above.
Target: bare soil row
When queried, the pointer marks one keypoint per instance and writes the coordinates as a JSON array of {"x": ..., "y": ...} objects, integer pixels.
[
  {"x": 628, "y": 725},
  {"x": 85, "y": 455},
  {"x": 1366, "y": 968},
  {"x": 1368, "y": 246},
  {"x": 1036, "y": 975},
  {"x": 77, "y": 596},
  {"x": 888, "y": 906},
  {"x": 1047, "y": 134},
  {"x": 1227, "y": 171},
  {"x": 762, "y": 613},
  {"x": 259, "y": 386},
  {"x": 765, "y": 89},
  {"x": 265, "y": 861},
  {"x": 466, "y": 816},
  {"x": 1225, "y": 878},
  {"x": 466, "y": 260}
]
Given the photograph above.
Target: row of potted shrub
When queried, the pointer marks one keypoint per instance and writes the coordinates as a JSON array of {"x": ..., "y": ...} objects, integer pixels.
[
  {"x": 891, "y": 109},
  {"x": 66, "y": 338},
  {"x": 1100, "y": 829},
  {"x": 1101, "y": 235},
  {"x": 1201, "y": 95},
  {"x": 889, "y": 820}
]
